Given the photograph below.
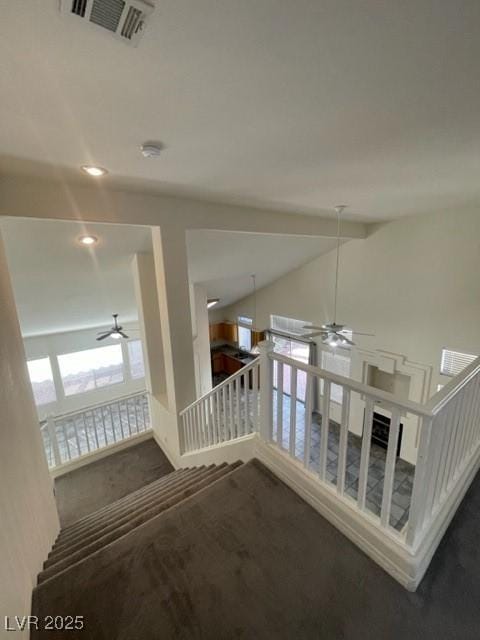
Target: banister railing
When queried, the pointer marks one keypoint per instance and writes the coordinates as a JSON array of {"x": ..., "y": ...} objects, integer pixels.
[
  {"x": 401, "y": 498},
  {"x": 69, "y": 436},
  {"x": 227, "y": 412}
]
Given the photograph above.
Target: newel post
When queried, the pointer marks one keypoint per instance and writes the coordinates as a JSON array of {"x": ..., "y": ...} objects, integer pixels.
[{"x": 266, "y": 390}]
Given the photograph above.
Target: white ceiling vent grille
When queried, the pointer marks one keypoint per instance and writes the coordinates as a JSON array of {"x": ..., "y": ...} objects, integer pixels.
[{"x": 125, "y": 19}]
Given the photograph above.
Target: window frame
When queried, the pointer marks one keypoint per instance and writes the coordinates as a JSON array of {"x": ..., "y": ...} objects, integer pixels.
[
  {"x": 129, "y": 360},
  {"x": 95, "y": 387},
  {"x": 55, "y": 399}
]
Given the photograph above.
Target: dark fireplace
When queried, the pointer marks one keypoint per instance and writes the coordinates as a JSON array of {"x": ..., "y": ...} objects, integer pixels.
[{"x": 381, "y": 430}]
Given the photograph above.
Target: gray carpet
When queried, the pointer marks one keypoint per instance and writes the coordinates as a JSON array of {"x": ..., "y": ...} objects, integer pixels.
[
  {"x": 247, "y": 558},
  {"x": 99, "y": 483}
]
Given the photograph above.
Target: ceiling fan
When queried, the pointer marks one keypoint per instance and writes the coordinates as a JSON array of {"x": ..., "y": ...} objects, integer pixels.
[
  {"x": 333, "y": 334},
  {"x": 115, "y": 332}
]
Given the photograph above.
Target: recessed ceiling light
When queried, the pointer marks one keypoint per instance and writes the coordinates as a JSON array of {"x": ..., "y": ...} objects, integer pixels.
[
  {"x": 96, "y": 172},
  {"x": 88, "y": 240},
  {"x": 212, "y": 302}
]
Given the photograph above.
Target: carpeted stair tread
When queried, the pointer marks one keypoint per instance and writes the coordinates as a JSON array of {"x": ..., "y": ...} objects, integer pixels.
[
  {"x": 122, "y": 517},
  {"x": 76, "y": 526},
  {"x": 122, "y": 510},
  {"x": 133, "y": 523}
]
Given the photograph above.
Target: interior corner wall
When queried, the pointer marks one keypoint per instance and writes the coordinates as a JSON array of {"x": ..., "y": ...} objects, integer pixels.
[
  {"x": 29, "y": 521},
  {"x": 413, "y": 282},
  {"x": 201, "y": 339}
]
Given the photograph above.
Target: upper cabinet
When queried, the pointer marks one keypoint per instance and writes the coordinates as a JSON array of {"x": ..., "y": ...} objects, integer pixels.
[{"x": 224, "y": 331}]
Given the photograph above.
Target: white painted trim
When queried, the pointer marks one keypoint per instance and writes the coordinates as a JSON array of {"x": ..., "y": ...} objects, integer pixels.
[
  {"x": 436, "y": 528},
  {"x": 98, "y": 454},
  {"x": 230, "y": 451},
  {"x": 384, "y": 547}
]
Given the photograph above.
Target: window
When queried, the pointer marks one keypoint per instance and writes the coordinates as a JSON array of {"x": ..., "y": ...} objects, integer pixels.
[
  {"x": 339, "y": 364},
  {"x": 454, "y": 362},
  {"x": 288, "y": 325},
  {"x": 135, "y": 358},
  {"x": 41, "y": 378},
  {"x": 297, "y": 350},
  {"x": 245, "y": 333},
  {"x": 91, "y": 369}
]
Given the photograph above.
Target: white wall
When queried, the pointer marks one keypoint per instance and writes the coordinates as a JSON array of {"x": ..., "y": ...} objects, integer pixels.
[
  {"x": 201, "y": 339},
  {"x": 414, "y": 283},
  {"x": 56, "y": 344},
  {"x": 28, "y": 521}
]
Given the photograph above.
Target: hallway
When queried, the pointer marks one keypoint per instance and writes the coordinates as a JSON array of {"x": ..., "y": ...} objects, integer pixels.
[{"x": 99, "y": 483}]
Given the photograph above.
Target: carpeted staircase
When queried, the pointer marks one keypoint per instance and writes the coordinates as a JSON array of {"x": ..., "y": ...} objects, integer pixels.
[{"x": 104, "y": 527}]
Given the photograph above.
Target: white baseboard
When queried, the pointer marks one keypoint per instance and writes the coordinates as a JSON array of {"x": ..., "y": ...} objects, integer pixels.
[
  {"x": 385, "y": 548},
  {"x": 100, "y": 453},
  {"x": 238, "y": 449}
]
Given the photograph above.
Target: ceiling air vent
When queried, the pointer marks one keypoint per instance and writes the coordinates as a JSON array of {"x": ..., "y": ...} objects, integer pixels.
[{"x": 125, "y": 19}]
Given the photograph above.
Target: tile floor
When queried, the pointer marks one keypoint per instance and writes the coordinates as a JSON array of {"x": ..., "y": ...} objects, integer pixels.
[{"x": 404, "y": 472}]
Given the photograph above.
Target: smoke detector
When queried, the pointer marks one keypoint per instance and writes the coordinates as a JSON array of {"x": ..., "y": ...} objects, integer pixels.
[
  {"x": 151, "y": 149},
  {"x": 124, "y": 19}
]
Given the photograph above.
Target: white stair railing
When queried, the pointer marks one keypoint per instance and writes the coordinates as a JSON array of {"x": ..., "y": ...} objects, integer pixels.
[
  {"x": 227, "y": 412},
  {"x": 449, "y": 441},
  {"x": 70, "y": 436}
]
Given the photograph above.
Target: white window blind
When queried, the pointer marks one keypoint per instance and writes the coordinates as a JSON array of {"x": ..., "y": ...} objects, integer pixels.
[
  {"x": 339, "y": 364},
  {"x": 288, "y": 325},
  {"x": 245, "y": 320},
  {"x": 454, "y": 362}
]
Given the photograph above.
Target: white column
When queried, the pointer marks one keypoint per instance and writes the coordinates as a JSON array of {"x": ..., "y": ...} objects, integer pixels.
[
  {"x": 201, "y": 339},
  {"x": 171, "y": 267},
  {"x": 145, "y": 284},
  {"x": 266, "y": 389}
]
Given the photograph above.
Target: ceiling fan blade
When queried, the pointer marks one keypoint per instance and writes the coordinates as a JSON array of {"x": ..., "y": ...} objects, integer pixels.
[
  {"x": 315, "y": 334},
  {"x": 105, "y": 335},
  {"x": 345, "y": 339},
  {"x": 358, "y": 333},
  {"x": 314, "y": 326},
  {"x": 124, "y": 335}
]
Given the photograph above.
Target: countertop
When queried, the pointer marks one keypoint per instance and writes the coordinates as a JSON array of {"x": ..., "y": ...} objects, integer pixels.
[{"x": 233, "y": 352}]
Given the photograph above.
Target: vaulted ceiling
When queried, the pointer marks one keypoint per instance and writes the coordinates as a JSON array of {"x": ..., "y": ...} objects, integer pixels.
[{"x": 296, "y": 105}]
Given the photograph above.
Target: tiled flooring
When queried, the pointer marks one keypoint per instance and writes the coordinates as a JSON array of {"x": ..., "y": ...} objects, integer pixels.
[{"x": 404, "y": 472}]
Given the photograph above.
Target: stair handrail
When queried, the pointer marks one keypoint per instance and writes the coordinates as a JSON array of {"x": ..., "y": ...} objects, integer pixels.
[
  {"x": 97, "y": 405},
  {"x": 361, "y": 388},
  {"x": 452, "y": 388},
  {"x": 220, "y": 386}
]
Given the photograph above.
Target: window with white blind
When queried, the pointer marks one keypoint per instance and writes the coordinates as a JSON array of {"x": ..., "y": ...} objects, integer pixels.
[
  {"x": 454, "y": 362},
  {"x": 291, "y": 326},
  {"x": 339, "y": 364}
]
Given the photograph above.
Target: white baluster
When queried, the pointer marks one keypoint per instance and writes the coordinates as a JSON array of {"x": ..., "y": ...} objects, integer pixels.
[
  {"x": 420, "y": 502},
  {"x": 255, "y": 397},
  {"x": 86, "y": 431},
  {"x": 213, "y": 406},
  {"x": 77, "y": 439},
  {"x": 52, "y": 433},
  {"x": 293, "y": 411},
  {"x": 238, "y": 392},
  {"x": 308, "y": 420},
  {"x": 324, "y": 429},
  {"x": 390, "y": 468},
  {"x": 343, "y": 441},
  {"x": 233, "y": 432},
  {"x": 224, "y": 404},
  {"x": 67, "y": 443},
  {"x": 246, "y": 403},
  {"x": 365, "y": 454},
  {"x": 94, "y": 422},
  {"x": 112, "y": 423},
  {"x": 279, "y": 404}
]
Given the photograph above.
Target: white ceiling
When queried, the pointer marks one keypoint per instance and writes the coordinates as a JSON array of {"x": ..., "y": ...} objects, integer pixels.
[
  {"x": 224, "y": 262},
  {"x": 62, "y": 286},
  {"x": 298, "y": 105}
]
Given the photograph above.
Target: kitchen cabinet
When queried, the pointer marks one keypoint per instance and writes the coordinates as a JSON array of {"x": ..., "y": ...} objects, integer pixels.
[
  {"x": 224, "y": 331},
  {"x": 218, "y": 364},
  {"x": 231, "y": 365}
]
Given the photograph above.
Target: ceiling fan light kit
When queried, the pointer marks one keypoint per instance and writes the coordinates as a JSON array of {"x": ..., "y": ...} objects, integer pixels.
[
  {"x": 333, "y": 334},
  {"x": 116, "y": 332}
]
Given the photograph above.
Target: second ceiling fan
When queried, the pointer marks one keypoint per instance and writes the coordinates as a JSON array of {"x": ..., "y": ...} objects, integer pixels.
[{"x": 333, "y": 334}]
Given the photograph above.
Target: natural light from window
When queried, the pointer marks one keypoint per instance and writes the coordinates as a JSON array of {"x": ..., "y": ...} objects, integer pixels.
[
  {"x": 135, "y": 357},
  {"x": 41, "y": 378},
  {"x": 90, "y": 369}
]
